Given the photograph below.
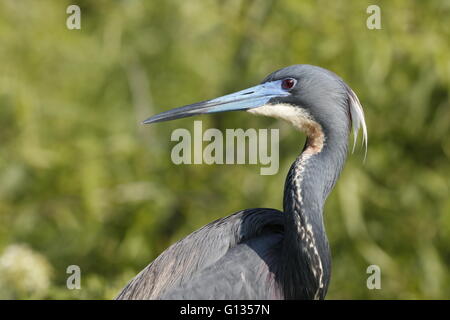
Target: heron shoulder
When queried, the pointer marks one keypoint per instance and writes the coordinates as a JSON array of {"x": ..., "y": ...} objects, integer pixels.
[{"x": 199, "y": 250}]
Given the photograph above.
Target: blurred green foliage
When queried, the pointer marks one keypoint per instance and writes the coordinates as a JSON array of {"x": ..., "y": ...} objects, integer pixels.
[{"x": 82, "y": 182}]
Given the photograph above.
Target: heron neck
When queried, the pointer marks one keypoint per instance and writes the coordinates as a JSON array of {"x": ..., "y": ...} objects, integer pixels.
[{"x": 310, "y": 179}]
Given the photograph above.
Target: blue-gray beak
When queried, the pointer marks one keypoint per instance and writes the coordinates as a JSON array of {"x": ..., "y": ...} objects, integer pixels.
[{"x": 250, "y": 98}]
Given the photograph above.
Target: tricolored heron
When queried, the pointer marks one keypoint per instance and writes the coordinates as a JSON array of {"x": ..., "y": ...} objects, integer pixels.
[{"x": 265, "y": 253}]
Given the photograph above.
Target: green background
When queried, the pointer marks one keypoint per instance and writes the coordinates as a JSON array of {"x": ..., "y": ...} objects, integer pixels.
[{"x": 83, "y": 183}]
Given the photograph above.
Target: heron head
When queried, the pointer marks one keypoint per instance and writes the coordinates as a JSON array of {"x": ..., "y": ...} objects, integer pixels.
[
  {"x": 319, "y": 102},
  {"x": 311, "y": 98}
]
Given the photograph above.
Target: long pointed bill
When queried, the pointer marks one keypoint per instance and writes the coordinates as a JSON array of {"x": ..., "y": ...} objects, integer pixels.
[{"x": 250, "y": 98}]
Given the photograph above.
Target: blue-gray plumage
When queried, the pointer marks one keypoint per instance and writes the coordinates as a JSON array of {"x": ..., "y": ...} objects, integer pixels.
[{"x": 266, "y": 253}]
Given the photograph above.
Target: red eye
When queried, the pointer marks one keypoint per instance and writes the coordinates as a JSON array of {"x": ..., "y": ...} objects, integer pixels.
[{"x": 287, "y": 84}]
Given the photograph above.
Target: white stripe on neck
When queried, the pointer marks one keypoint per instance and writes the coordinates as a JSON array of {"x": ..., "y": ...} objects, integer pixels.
[{"x": 300, "y": 119}]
